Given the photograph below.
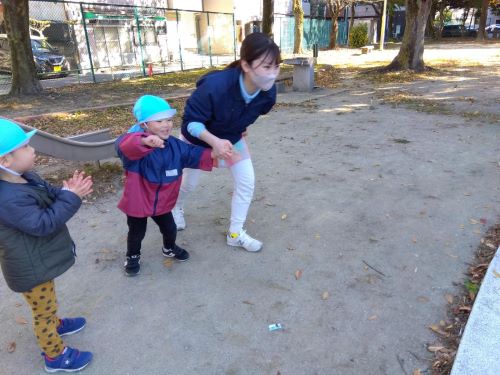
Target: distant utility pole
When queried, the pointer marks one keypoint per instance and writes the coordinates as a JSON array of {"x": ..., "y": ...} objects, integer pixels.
[{"x": 382, "y": 27}]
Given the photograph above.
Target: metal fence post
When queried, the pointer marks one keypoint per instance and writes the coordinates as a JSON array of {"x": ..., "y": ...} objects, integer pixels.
[
  {"x": 179, "y": 39},
  {"x": 234, "y": 37},
  {"x": 209, "y": 43},
  {"x": 88, "y": 43},
  {"x": 140, "y": 41}
]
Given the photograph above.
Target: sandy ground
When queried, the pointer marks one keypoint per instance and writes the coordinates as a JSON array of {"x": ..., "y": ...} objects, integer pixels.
[{"x": 379, "y": 205}]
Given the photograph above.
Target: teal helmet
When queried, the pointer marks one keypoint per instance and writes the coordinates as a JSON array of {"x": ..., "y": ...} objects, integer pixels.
[{"x": 12, "y": 136}]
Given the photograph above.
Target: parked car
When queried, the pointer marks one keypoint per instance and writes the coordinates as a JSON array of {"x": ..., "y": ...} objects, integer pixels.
[
  {"x": 452, "y": 30},
  {"x": 48, "y": 61},
  {"x": 493, "y": 31},
  {"x": 471, "y": 30}
]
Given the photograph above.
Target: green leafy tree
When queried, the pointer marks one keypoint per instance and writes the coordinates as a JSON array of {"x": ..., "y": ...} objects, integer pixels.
[{"x": 358, "y": 37}]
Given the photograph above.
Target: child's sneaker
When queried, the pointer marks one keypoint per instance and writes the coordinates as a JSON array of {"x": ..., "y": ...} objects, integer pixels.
[
  {"x": 68, "y": 326},
  {"x": 132, "y": 265},
  {"x": 177, "y": 252},
  {"x": 178, "y": 214},
  {"x": 243, "y": 240},
  {"x": 70, "y": 360}
]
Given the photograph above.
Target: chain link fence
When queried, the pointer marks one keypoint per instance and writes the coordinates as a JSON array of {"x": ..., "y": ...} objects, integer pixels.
[{"x": 98, "y": 42}]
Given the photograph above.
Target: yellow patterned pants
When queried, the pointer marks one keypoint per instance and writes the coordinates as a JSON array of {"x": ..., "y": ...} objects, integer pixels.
[{"x": 42, "y": 300}]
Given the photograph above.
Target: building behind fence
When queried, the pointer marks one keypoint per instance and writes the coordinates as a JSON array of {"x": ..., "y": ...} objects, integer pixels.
[{"x": 108, "y": 41}]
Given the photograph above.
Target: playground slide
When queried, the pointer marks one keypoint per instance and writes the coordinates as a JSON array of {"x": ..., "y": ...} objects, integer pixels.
[{"x": 85, "y": 147}]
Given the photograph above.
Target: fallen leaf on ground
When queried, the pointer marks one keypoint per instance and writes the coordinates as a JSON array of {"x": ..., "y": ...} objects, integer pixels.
[
  {"x": 11, "y": 347},
  {"x": 414, "y": 239},
  {"x": 436, "y": 329},
  {"x": 21, "y": 320},
  {"x": 434, "y": 349},
  {"x": 168, "y": 263},
  {"x": 473, "y": 221},
  {"x": 417, "y": 372},
  {"x": 477, "y": 231},
  {"x": 317, "y": 236},
  {"x": 373, "y": 317},
  {"x": 449, "y": 298},
  {"x": 462, "y": 226},
  {"x": 19, "y": 304},
  {"x": 247, "y": 302},
  {"x": 452, "y": 255},
  {"x": 283, "y": 217},
  {"x": 496, "y": 274},
  {"x": 325, "y": 296},
  {"x": 482, "y": 221},
  {"x": 490, "y": 245},
  {"x": 298, "y": 274},
  {"x": 423, "y": 299}
]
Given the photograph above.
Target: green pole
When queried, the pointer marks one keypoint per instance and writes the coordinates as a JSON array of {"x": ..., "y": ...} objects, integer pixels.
[
  {"x": 179, "y": 38},
  {"x": 140, "y": 41},
  {"x": 88, "y": 43},
  {"x": 209, "y": 44},
  {"x": 234, "y": 37}
]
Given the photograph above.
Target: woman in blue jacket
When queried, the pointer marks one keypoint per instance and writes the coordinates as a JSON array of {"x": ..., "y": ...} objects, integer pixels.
[{"x": 217, "y": 115}]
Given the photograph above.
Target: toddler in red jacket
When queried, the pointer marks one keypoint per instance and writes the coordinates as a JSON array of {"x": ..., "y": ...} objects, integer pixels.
[{"x": 153, "y": 161}]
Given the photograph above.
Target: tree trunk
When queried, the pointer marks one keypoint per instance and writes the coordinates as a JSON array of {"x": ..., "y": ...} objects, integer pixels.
[
  {"x": 431, "y": 30},
  {"x": 439, "y": 29},
  {"x": 299, "y": 25},
  {"x": 268, "y": 17},
  {"x": 334, "y": 11},
  {"x": 411, "y": 53},
  {"x": 481, "y": 34},
  {"x": 24, "y": 77},
  {"x": 353, "y": 14}
]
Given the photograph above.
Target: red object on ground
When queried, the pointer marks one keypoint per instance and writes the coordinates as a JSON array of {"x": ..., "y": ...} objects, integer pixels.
[{"x": 150, "y": 70}]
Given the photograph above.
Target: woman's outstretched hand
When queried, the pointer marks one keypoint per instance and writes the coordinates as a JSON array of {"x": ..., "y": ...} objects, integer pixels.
[{"x": 223, "y": 149}]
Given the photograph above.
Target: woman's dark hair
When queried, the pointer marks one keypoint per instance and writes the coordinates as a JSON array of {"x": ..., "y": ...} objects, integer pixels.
[{"x": 256, "y": 45}]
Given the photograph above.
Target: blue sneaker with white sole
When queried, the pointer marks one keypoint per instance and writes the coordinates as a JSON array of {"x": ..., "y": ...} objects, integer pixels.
[
  {"x": 68, "y": 326},
  {"x": 70, "y": 360}
]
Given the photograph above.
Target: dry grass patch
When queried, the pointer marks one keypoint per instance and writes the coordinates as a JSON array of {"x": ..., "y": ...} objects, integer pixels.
[{"x": 118, "y": 119}]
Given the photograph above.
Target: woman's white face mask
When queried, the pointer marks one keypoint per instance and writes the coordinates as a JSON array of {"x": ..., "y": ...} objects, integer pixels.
[{"x": 264, "y": 73}]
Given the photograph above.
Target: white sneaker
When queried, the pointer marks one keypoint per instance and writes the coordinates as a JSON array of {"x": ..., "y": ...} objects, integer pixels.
[
  {"x": 244, "y": 240},
  {"x": 178, "y": 214}
]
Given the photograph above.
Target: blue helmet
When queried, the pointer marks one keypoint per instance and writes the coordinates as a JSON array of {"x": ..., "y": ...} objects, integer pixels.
[{"x": 12, "y": 136}]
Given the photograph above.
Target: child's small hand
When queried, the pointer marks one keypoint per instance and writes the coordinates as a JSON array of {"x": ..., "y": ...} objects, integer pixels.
[
  {"x": 79, "y": 184},
  {"x": 223, "y": 149},
  {"x": 153, "y": 141}
]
